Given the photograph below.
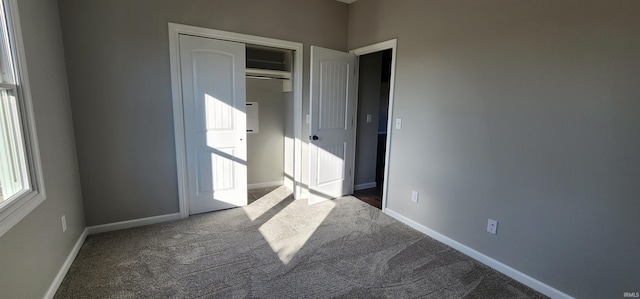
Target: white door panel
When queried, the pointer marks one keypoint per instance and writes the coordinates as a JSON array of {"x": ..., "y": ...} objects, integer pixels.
[
  {"x": 331, "y": 163},
  {"x": 333, "y": 95},
  {"x": 213, "y": 90}
]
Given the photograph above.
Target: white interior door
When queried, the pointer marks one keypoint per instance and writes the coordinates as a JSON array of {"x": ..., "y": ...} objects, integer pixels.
[
  {"x": 213, "y": 92},
  {"x": 333, "y": 103}
]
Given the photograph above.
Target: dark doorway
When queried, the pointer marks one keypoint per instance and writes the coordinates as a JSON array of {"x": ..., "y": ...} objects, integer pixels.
[{"x": 373, "y": 107}]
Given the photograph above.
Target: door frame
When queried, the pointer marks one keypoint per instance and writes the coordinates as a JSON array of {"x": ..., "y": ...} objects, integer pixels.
[
  {"x": 377, "y": 47},
  {"x": 178, "y": 111}
]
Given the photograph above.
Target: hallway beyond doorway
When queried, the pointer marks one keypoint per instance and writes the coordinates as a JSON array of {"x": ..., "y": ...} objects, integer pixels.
[{"x": 372, "y": 196}]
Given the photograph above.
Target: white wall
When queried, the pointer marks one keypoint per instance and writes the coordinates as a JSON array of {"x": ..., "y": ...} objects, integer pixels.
[{"x": 525, "y": 112}]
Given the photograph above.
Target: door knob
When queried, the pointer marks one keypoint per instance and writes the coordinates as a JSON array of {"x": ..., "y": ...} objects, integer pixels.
[{"x": 315, "y": 137}]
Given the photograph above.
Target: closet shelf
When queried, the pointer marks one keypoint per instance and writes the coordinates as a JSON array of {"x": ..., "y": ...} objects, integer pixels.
[
  {"x": 265, "y": 61},
  {"x": 267, "y": 74}
]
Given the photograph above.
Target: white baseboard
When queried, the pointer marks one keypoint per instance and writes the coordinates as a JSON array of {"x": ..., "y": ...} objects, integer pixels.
[
  {"x": 100, "y": 229},
  {"x": 265, "y": 185},
  {"x": 65, "y": 266},
  {"x": 131, "y": 223},
  {"x": 498, "y": 266},
  {"x": 365, "y": 186}
]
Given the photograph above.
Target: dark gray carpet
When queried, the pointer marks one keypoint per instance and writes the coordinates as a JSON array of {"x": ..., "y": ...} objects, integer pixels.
[{"x": 280, "y": 248}]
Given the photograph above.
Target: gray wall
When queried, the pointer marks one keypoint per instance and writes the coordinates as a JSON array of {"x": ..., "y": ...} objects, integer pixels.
[
  {"x": 32, "y": 252},
  {"x": 265, "y": 149},
  {"x": 118, "y": 64},
  {"x": 368, "y": 103},
  {"x": 525, "y": 112}
]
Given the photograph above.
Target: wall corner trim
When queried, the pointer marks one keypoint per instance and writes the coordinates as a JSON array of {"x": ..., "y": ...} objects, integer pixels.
[
  {"x": 496, "y": 265},
  {"x": 132, "y": 223},
  {"x": 101, "y": 229},
  {"x": 66, "y": 265}
]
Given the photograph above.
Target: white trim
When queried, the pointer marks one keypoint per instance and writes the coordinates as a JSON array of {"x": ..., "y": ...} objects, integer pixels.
[
  {"x": 377, "y": 47},
  {"x": 265, "y": 185},
  {"x": 496, "y": 265},
  {"x": 298, "y": 63},
  {"x": 178, "y": 122},
  {"x": 18, "y": 209},
  {"x": 174, "y": 31},
  {"x": 132, "y": 223},
  {"x": 12, "y": 212},
  {"x": 53, "y": 288},
  {"x": 381, "y": 46},
  {"x": 354, "y": 134},
  {"x": 288, "y": 182},
  {"x": 368, "y": 185}
]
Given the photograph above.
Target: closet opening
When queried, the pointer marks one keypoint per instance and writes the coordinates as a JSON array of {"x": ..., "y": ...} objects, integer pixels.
[{"x": 270, "y": 123}]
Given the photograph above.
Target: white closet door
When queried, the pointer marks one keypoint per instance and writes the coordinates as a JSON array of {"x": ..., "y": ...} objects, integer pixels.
[
  {"x": 333, "y": 103},
  {"x": 213, "y": 90}
]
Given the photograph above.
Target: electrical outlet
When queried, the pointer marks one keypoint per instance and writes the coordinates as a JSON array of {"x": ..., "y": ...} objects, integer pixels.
[
  {"x": 492, "y": 226},
  {"x": 368, "y": 118},
  {"x": 414, "y": 196},
  {"x": 398, "y": 123},
  {"x": 64, "y": 223}
]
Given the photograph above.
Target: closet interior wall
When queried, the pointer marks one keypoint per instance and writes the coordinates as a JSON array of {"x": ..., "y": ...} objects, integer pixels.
[{"x": 266, "y": 147}]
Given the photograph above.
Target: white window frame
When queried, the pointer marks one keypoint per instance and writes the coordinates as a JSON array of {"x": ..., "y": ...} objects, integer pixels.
[{"x": 15, "y": 208}]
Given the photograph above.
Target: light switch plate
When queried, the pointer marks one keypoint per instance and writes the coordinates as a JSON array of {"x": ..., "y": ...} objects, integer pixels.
[
  {"x": 398, "y": 123},
  {"x": 414, "y": 196}
]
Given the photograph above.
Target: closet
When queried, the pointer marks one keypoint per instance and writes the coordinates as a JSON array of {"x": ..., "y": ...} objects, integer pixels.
[
  {"x": 269, "y": 111},
  {"x": 234, "y": 111}
]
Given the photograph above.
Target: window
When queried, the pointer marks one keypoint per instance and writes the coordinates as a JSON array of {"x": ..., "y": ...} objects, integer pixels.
[{"x": 21, "y": 188}]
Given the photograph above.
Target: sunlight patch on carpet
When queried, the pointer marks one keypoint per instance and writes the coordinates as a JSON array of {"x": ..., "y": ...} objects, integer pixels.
[
  {"x": 287, "y": 236},
  {"x": 266, "y": 203}
]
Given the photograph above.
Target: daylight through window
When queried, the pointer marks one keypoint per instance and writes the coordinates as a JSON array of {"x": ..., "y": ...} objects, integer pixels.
[
  {"x": 21, "y": 179},
  {"x": 14, "y": 176}
]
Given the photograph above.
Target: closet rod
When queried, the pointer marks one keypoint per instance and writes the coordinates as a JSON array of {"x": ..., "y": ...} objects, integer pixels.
[{"x": 265, "y": 74}]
